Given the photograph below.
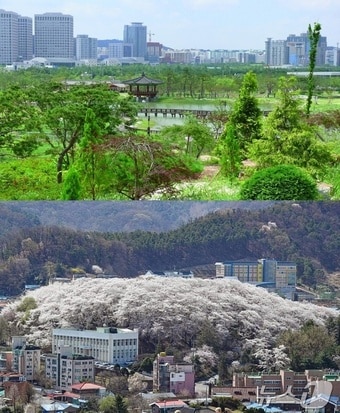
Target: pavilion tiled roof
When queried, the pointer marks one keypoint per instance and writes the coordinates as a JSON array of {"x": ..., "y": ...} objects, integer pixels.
[{"x": 143, "y": 80}]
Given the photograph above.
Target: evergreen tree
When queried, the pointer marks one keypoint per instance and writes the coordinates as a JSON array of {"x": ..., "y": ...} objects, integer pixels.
[
  {"x": 229, "y": 151},
  {"x": 246, "y": 115},
  {"x": 314, "y": 36},
  {"x": 71, "y": 186},
  {"x": 91, "y": 163}
]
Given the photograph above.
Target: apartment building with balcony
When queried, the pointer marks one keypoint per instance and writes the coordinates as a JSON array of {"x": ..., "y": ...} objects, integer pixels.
[
  {"x": 105, "y": 344},
  {"x": 294, "y": 51},
  {"x": 65, "y": 369},
  {"x": 25, "y": 358}
]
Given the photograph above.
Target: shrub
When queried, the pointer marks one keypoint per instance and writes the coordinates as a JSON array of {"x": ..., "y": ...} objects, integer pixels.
[{"x": 284, "y": 182}]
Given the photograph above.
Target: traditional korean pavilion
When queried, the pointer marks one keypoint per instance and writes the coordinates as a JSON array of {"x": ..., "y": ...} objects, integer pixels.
[{"x": 143, "y": 87}]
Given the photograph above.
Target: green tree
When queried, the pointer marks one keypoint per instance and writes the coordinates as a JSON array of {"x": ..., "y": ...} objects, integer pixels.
[
  {"x": 64, "y": 110},
  {"x": 246, "y": 116},
  {"x": 113, "y": 404},
  {"x": 284, "y": 182},
  {"x": 90, "y": 164},
  {"x": 17, "y": 117},
  {"x": 287, "y": 138},
  {"x": 4, "y": 331},
  {"x": 314, "y": 36},
  {"x": 192, "y": 138},
  {"x": 27, "y": 304},
  {"x": 71, "y": 186},
  {"x": 310, "y": 347},
  {"x": 228, "y": 150}
]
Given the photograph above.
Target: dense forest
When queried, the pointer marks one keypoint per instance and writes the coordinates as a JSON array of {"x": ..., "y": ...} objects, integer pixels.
[{"x": 307, "y": 233}]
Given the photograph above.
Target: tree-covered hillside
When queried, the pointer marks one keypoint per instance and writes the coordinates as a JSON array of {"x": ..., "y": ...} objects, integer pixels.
[
  {"x": 104, "y": 216},
  {"x": 221, "y": 319},
  {"x": 307, "y": 233}
]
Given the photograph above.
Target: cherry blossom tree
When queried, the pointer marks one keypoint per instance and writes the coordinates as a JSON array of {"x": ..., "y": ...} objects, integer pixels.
[{"x": 169, "y": 313}]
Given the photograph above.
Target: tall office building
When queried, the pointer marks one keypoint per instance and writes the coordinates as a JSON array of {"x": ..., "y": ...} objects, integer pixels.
[
  {"x": 86, "y": 47},
  {"x": 136, "y": 35},
  {"x": 25, "y": 42},
  {"x": 8, "y": 37},
  {"x": 54, "y": 36}
]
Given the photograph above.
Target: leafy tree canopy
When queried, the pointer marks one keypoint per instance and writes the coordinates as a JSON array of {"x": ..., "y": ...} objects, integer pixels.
[{"x": 284, "y": 182}]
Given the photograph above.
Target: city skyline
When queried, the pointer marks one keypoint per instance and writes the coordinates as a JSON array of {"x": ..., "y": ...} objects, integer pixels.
[{"x": 200, "y": 24}]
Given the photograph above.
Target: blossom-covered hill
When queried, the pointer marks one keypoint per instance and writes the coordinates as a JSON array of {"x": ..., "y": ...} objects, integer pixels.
[{"x": 179, "y": 313}]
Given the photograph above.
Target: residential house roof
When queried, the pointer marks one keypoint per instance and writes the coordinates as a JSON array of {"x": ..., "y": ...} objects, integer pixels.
[
  {"x": 87, "y": 386},
  {"x": 59, "y": 407}
]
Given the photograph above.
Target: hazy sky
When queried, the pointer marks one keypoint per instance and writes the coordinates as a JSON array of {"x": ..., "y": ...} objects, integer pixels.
[{"x": 207, "y": 24}]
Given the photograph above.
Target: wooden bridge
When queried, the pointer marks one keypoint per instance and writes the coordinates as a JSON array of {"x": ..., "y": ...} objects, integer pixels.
[{"x": 199, "y": 113}]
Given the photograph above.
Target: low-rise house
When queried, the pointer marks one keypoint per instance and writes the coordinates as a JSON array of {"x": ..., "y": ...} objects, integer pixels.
[
  {"x": 88, "y": 390},
  {"x": 170, "y": 406},
  {"x": 322, "y": 404},
  {"x": 59, "y": 407},
  {"x": 11, "y": 377},
  {"x": 285, "y": 401}
]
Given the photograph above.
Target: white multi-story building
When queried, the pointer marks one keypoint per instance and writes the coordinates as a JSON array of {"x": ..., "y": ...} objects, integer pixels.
[
  {"x": 54, "y": 36},
  {"x": 26, "y": 358},
  {"x": 65, "y": 369},
  {"x": 105, "y": 344},
  {"x": 8, "y": 37}
]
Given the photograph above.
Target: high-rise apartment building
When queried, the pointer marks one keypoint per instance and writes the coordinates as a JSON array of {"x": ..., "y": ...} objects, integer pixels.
[
  {"x": 137, "y": 36},
  {"x": 294, "y": 51},
  {"x": 9, "y": 37},
  {"x": 154, "y": 50},
  {"x": 54, "y": 35},
  {"x": 25, "y": 38},
  {"x": 86, "y": 47},
  {"x": 276, "y": 52},
  {"x": 116, "y": 50}
]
